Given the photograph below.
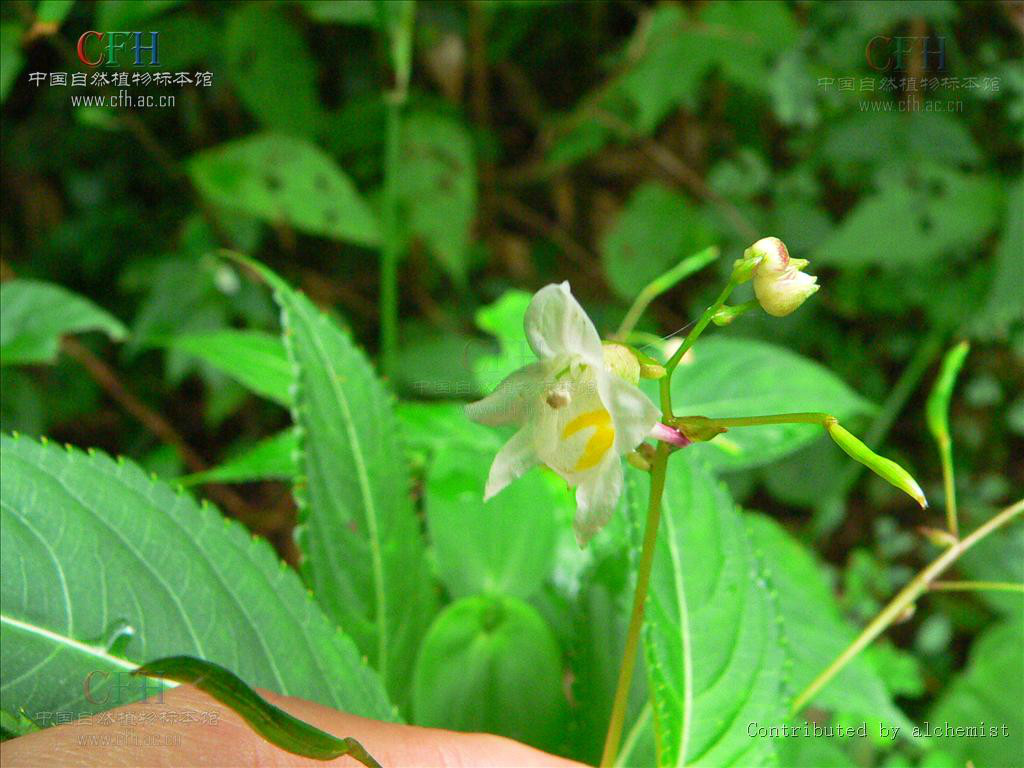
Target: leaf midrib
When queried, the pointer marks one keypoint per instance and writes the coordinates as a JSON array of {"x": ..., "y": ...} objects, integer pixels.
[{"x": 370, "y": 507}]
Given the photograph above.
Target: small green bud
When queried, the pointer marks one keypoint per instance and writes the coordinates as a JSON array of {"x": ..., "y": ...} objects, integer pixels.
[
  {"x": 622, "y": 361},
  {"x": 698, "y": 429},
  {"x": 937, "y": 536},
  {"x": 726, "y": 314},
  {"x": 638, "y": 461},
  {"x": 887, "y": 469}
]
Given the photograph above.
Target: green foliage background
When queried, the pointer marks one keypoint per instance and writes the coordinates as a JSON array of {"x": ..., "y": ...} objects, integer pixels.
[{"x": 595, "y": 142}]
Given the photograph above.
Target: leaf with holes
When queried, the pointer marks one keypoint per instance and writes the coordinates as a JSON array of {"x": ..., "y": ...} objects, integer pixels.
[
  {"x": 287, "y": 181},
  {"x": 35, "y": 314},
  {"x": 711, "y": 638},
  {"x": 103, "y": 567},
  {"x": 363, "y": 553}
]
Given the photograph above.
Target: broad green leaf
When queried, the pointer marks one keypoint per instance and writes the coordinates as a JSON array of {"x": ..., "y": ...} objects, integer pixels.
[
  {"x": 491, "y": 664},
  {"x": 128, "y": 14},
  {"x": 432, "y": 427},
  {"x": 999, "y": 557},
  {"x": 437, "y": 187},
  {"x": 711, "y": 635},
  {"x": 103, "y": 567},
  {"x": 362, "y": 550},
  {"x": 272, "y": 723},
  {"x": 505, "y": 546},
  {"x": 503, "y": 319},
  {"x": 269, "y": 459},
  {"x": 53, "y": 11},
  {"x": 676, "y": 51},
  {"x": 11, "y": 57},
  {"x": 35, "y": 314},
  {"x": 657, "y": 228},
  {"x": 988, "y": 691},
  {"x": 814, "y": 631},
  {"x": 254, "y": 359},
  {"x": 277, "y": 83},
  {"x": 744, "y": 377},
  {"x": 933, "y": 214},
  {"x": 285, "y": 180},
  {"x": 435, "y": 364},
  {"x": 360, "y": 12},
  {"x": 1004, "y": 304}
]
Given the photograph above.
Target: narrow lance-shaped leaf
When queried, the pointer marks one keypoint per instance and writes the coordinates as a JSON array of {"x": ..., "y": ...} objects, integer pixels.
[
  {"x": 363, "y": 552},
  {"x": 254, "y": 359},
  {"x": 103, "y": 567},
  {"x": 269, "y": 459},
  {"x": 272, "y": 723}
]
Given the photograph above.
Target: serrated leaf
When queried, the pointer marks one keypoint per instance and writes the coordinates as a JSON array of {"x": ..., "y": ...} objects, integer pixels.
[
  {"x": 254, "y": 359},
  {"x": 491, "y": 664},
  {"x": 989, "y": 691},
  {"x": 269, "y": 459},
  {"x": 657, "y": 228},
  {"x": 35, "y": 314},
  {"x": 363, "y": 553},
  {"x": 272, "y": 723},
  {"x": 744, "y": 377},
  {"x": 285, "y": 180},
  {"x": 437, "y": 186},
  {"x": 103, "y": 567},
  {"x": 711, "y": 638},
  {"x": 814, "y": 631},
  {"x": 505, "y": 546},
  {"x": 277, "y": 83}
]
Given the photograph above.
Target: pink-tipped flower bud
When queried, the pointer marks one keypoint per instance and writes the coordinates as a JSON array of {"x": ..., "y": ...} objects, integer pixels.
[{"x": 779, "y": 284}]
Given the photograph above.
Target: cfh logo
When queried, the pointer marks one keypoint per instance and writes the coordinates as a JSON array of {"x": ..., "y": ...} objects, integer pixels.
[
  {"x": 884, "y": 53},
  {"x": 96, "y": 49}
]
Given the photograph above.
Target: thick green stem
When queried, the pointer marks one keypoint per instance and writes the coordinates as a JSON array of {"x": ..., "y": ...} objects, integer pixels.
[
  {"x": 636, "y": 620},
  {"x": 390, "y": 236},
  {"x": 904, "y": 599}
]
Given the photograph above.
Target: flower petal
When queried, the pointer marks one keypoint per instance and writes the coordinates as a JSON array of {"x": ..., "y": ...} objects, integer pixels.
[
  {"x": 633, "y": 413},
  {"x": 512, "y": 400},
  {"x": 557, "y": 325},
  {"x": 596, "y": 499},
  {"x": 514, "y": 459}
]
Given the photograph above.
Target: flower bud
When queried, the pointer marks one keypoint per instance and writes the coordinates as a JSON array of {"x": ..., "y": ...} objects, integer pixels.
[
  {"x": 887, "y": 469},
  {"x": 622, "y": 361},
  {"x": 779, "y": 284}
]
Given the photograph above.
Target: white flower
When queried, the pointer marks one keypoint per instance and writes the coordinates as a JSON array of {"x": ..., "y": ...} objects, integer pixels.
[
  {"x": 779, "y": 284},
  {"x": 574, "y": 414}
]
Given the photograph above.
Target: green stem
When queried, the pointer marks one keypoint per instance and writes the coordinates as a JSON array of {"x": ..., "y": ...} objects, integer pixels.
[
  {"x": 698, "y": 329},
  {"x": 949, "y": 485},
  {"x": 660, "y": 284},
  {"x": 903, "y": 599},
  {"x": 390, "y": 237},
  {"x": 977, "y": 586},
  {"x": 775, "y": 418},
  {"x": 643, "y": 577}
]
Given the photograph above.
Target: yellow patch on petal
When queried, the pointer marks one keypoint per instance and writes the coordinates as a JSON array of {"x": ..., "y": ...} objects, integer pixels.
[{"x": 598, "y": 443}]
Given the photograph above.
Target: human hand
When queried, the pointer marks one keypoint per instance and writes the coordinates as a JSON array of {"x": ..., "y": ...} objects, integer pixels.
[{"x": 224, "y": 739}]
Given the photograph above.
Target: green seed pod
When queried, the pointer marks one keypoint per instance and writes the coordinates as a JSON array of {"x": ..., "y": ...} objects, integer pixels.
[
  {"x": 697, "y": 428},
  {"x": 887, "y": 469}
]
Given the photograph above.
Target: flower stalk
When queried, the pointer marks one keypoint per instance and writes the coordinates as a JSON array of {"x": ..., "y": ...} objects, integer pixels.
[{"x": 903, "y": 600}]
